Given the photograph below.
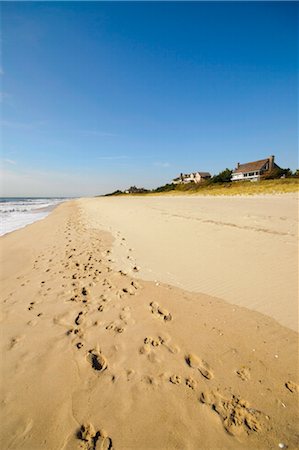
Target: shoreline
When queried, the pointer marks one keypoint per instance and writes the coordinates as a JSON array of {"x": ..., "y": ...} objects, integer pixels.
[
  {"x": 45, "y": 210},
  {"x": 111, "y": 356}
]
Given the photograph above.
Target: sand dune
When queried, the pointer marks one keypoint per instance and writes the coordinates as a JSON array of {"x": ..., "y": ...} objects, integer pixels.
[{"x": 94, "y": 358}]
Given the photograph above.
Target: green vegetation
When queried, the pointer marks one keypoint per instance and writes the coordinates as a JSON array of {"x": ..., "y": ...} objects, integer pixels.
[
  {"x": 165, "y": 188},
  {"x": 279, "y": 173},
  {"x": 136, "y": 190},
  {"x": 281, "y": 185},
  {"x": 240, "y": 187},
  {"x": 277, "y": 181},
  {"x": 118, "y": 192},
  {"x": 222, "y": 177},
  {"x": 131, "y": 190}
]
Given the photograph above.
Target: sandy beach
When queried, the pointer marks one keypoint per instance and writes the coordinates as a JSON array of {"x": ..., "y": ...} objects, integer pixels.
[
  {"x": 241, "y": 249},
  {"x": 152, "y": 323}
]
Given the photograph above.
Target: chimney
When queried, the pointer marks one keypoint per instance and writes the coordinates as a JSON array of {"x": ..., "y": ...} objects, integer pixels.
[
  {"x": 271, "y": 162},
  {"x": 238, "y": 165}
]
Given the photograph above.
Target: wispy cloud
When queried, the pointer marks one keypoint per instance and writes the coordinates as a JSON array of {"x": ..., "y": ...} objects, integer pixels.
[
  {"x": 21, "y": 125},
  {"x": 10, "y": 161},
  {"x": 1, "y": 71}
]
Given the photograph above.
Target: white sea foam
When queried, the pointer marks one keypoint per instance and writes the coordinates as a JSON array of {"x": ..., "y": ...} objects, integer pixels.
[{"x": 16, "y": 213}]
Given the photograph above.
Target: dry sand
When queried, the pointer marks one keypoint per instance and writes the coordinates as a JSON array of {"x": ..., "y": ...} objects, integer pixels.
[
  {"x": 95, "y": 359},
  {"x": 241, "y": 249}
]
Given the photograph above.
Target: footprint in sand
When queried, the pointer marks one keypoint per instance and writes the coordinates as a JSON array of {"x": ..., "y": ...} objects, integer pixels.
[
  {"x": 76, "y": 331},
  {"x": 153, "y": 342},
  {"x": 165, "y": 341},
  {"x": 15, "y": 341},
  {"x": 32, "y": 322},
  {"x": 84, "y": 291},
  {"x": 97, "y": 361},
  {"x": 159, "y": 312},
  {"x": 235, "y": 413},
  {"x": 124, "y": 274},
  {"x": 125, "y": 317},
  {"x": 150, "y": 342},
  {"x": 291, "y": 386},
  {"x": 107, "y": 284},
  {"x": 130, "y": 374},
  {"x": 114, "y": 327},
  {"x": 144, "y": 350},
  {"x": 175, "y": 379},
  {"x": 126, "y": 291},
  {"x": 135, "y": 285},
  {"x": 149, "y": 379},
  {"x": 244, "y": 373},
  {"x": 79, "y": 318},
  {"x": 190, "y": 382},
  {"x": 73, "y": 299},
  {"x": 196, "y": 363}
]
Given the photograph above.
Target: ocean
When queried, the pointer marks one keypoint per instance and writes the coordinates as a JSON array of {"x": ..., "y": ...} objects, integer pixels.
[{"x": 18, "y": 212}]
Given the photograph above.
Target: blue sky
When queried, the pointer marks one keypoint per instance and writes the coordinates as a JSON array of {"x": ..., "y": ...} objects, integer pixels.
[{"x": 99, "y": 96}]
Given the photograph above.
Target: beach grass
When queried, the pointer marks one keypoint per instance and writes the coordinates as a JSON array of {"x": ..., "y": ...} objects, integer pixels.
[{"x": 277, "y": 186}]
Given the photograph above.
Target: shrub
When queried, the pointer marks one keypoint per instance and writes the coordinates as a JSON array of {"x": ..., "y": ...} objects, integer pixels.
[
  {"x": 118, "y": 192},
  {"x": 165, "y": 188},
  {"x": 222, "y": 177},
  {"x": 136, "y": 190},
  {"x": 277, "y": 172}
]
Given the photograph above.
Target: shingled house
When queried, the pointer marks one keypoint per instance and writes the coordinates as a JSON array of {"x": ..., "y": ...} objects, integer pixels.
[
  {"x": 194, "y": 177},
  {"x": 253, "y": 171}
]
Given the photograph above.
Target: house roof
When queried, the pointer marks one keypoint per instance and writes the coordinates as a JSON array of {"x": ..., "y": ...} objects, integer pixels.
[
  {"x": 204, "y": 174},
  {"x": 251, "y": 166},
  {"x": 188, "y": 175}
]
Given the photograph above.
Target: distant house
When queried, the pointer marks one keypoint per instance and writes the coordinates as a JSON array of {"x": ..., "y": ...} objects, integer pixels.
[
  {"x": 194, "y": 177},
  {"x": 253, "y": 171},
  {"x": 136, "y": 190}
]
